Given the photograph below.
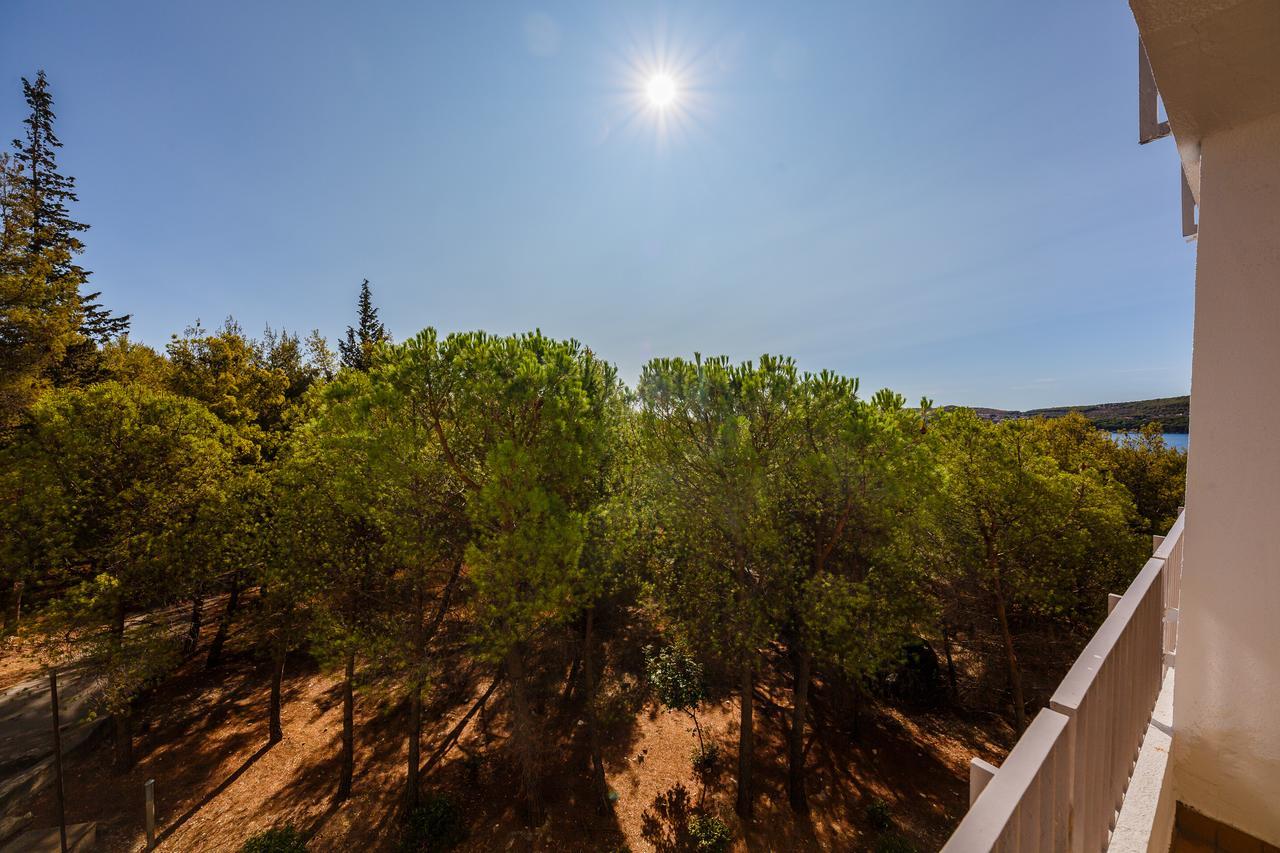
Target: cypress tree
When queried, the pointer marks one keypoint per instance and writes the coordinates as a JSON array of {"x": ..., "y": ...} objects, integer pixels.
[{"x": 356, "y": 351}]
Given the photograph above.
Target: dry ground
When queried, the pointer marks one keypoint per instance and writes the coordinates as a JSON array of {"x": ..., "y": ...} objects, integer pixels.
[{"x": 202, "y": 736}]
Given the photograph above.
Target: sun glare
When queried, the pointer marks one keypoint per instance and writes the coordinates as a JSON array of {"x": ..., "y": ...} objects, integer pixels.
[
  {"x": 661, "y": 87},
  {"x": 661, "y": 90}
]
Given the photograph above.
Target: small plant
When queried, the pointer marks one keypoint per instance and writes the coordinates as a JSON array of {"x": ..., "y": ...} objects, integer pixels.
[
  {"x": 282, "y": 839},
  {"x": 709, "y": 834},
  {"x": 677, "y": 678},
  {"x": 892, "y": 842},
  {"x": 879, "y": 815},
  {"x": 434, "y": 826},
  {"x": 706, "y": 758}
]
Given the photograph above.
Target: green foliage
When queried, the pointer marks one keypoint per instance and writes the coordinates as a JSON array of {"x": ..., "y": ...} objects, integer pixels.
[
  {"x": 362, "y": 341},
  {"x": 879, "y": 814},
  {"x": 131, "y": 363},
  {"x": 1033, "y": 517},
  {"x": 525, "y": 423},
  {"x": 674, "y": 825},
  {"x": 285, "y": 839},
  {"x": 1154, "y": 473},
  {"x": 714, "y": 436},
  {"x": 1029, "y": 520},
  {"x": 709, "y": 833},
  {"x": 50, "y": 327},
  {"x": 707, "y": 759},
  {"x": 676, "y": 677},
  {"x": 433, "y": 827},
  {"x": 235, "y": 377},
  {"x": 715, "y": 439},
  {"x": 852, "y": 509},
  {"x": 122, "y": 480},
  {"x": 892, "y": 842}
]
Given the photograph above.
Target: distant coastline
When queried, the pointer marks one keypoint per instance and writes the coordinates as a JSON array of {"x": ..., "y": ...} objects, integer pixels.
[{"x": 1172, "y": 413}]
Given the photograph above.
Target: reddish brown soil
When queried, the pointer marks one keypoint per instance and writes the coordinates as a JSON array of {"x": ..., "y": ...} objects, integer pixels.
[
  {"x": 202, "y": 736},
  {"x": 18, "y": 661}
]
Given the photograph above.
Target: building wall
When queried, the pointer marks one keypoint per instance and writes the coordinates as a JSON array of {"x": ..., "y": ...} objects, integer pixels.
[{"x": 1226, "y": 745}]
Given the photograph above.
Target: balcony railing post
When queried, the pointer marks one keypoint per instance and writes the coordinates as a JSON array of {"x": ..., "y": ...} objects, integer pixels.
[
  {"x": 980, "y": 773},
  {"x": 1064, "y": 782}
]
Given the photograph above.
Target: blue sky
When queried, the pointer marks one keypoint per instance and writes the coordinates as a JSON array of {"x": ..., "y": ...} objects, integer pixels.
[{"x": 944, "y": 198}]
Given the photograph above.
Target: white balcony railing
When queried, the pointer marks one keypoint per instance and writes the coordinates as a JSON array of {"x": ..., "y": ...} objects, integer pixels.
[{"x": 1061, "y": 787}]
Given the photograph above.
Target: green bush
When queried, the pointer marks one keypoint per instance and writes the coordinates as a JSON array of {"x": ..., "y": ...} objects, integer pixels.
[
  {"x": 709, "y": 834},
  {"x": 434, "y": 826},
  {"x": 706, "y": 759},
  {"x": 879, "y": 815},
  {"x": 283, "y": 839},
  {"x": 893, "y": 843}
]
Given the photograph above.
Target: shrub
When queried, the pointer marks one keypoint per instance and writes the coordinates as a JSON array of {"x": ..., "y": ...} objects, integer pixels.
[
  {"x": 706, "y": 759},
  {"x": 434, "y": 826},
  {"x": 895, "y": 843},
  {"x": 709, "y": 834},
  {"x": 878, "y": 815},
  {"x": 283, "y": 839}
]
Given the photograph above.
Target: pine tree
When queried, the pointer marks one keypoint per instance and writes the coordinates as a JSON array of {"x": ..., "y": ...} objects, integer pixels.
[
  {"x": 356, "y": 351},
  {"x": 47, "y": 191},
  {"x": 41, "y": 238}
]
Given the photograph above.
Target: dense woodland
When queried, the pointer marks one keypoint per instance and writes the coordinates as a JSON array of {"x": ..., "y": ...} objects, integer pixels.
[{"x": 758, "y": 521}]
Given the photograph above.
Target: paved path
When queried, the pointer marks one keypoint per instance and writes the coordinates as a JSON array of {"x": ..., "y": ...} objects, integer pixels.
[
  {"x": 26, "y": 719},
  {"x": 26, "y": 739}
]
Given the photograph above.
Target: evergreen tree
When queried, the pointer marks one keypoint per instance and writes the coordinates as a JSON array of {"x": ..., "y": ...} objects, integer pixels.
[
  {"x": 46, "y": 190},
  {"x": 847, "y": 506},
  {"x": 41, "y": 243},
  {"x": 716, "y": 438},
  {"x": 39, "y": 312},
  {"x": 525, "y": 423},
  {"x": 115, "y": 483},
  {"x": 357, "y": 350},
  {"x": 1027, "y": 525}
]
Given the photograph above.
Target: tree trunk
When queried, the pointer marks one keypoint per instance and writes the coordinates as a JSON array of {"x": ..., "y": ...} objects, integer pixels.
[
  {"x": 746, "y": 740},
  {"x": 275, "y": 732},
  {"x": 1015, "y": 675},
  {"x": 951, "y": 664},
  {"x": 12, "y": 607},
  {"x": 224, "y": 626},
  {"x": 124, "y": 741},
  {"x": 593, "y": 726},
  {"x": 348, "y": 729},
  {"x": 855, "y": 709},
  {"x": 522, "y": 737},
  {"x": 193, "y": 629},
  {"x": 123, "y": 717},
  {"x": 571, "y": 681},
  {"x": 799, "y": 713},
  {"x": 415, "y": 745}
]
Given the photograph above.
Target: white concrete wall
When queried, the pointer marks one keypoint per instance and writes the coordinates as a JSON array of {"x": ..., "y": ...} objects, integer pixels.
[{"x": 1226, "y": 745}]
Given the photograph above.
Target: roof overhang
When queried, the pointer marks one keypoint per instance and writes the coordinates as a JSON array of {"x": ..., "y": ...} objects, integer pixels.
[{"x": 1216, "y": 64}]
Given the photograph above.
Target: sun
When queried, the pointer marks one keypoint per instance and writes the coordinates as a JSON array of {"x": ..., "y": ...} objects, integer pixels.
[{"x": 662, "y": 90}]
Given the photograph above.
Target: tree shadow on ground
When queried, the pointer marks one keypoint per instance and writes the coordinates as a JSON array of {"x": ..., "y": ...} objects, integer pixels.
[{"x": 211, "y": 795}]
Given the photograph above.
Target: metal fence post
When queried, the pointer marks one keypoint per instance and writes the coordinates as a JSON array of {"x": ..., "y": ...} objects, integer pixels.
[
  {"x": 151, "y": 814},
  {"x": 57, "y": 760}
]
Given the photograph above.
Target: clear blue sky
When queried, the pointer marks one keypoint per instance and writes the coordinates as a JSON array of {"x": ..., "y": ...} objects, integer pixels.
[{"x": 944, "y": 198}]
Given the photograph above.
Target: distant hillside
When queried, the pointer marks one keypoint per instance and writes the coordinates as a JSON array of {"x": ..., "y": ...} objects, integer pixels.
[{"x": 1171, "y": 412}]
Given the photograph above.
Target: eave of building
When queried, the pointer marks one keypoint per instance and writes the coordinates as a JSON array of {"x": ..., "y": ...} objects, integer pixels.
[{"x": 1215, "y": 65}]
